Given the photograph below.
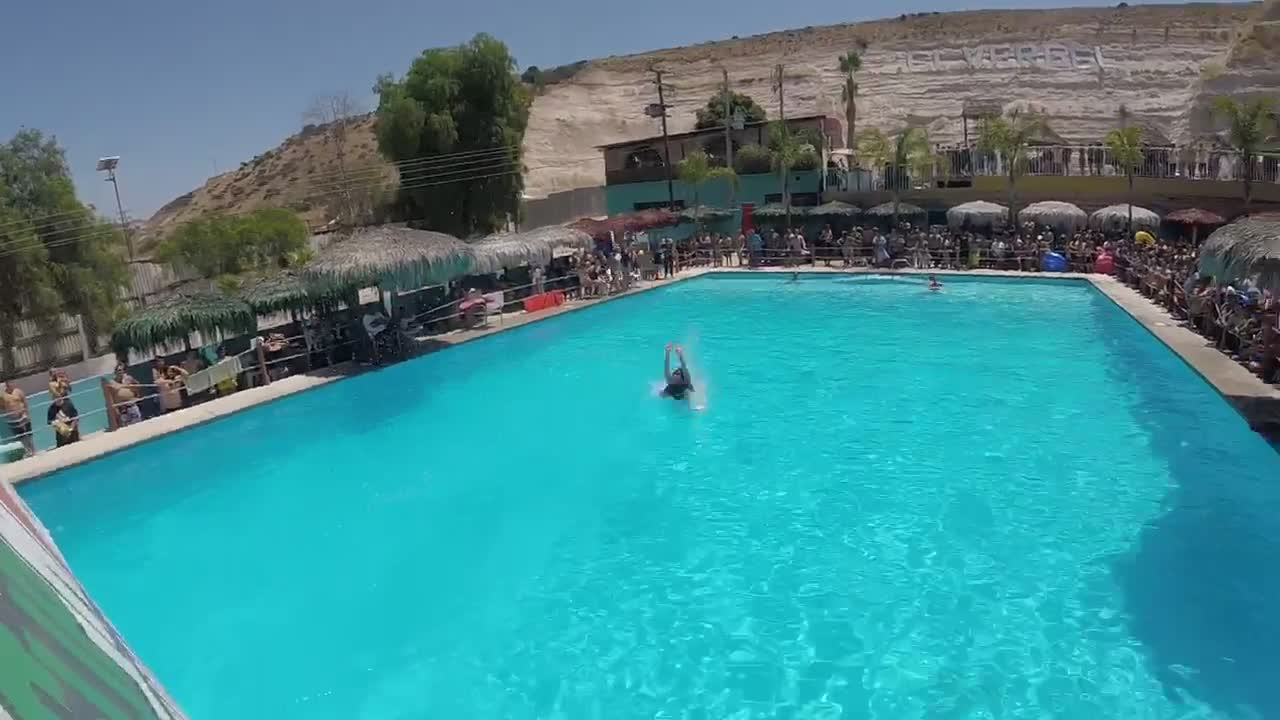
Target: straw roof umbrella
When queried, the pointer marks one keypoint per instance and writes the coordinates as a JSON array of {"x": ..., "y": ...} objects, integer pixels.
[
  {"x": 500, "y": 252},
  {"x": 703, "y": 213},
  {"x": 1061, "y": 216},
  {"x": 394, "y": 258},
  {"x": 179, "y": 315},
  {"x": 773, "y": 210},
  {"x": 1245, "y": 248},
  {"x": 978, "y": 214},
  {"x": 1195, "y": 218},
  {"x": 886, "y": 210},
  {"x": 287, "y": 290},
  {"x": 1116, "y": 217},
  {"x": 835, "y": 208},
  {"x": 561, "y": 236}
]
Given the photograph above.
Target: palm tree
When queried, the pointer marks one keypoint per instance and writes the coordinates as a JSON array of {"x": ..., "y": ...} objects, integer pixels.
[
  {"x": 850, "y": 63},
  {"x": 695, "y": 170},
  {"x": 906, "y": 155},
  {"x": 1250, "y": 124},
  {"x": 785, "y": 147},
  {"x": 1125, "y": 144},
  {"x": 1009, "y": 138}
]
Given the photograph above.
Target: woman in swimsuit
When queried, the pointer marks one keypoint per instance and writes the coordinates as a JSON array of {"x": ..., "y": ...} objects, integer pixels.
[{"x": 679, "y": 381}]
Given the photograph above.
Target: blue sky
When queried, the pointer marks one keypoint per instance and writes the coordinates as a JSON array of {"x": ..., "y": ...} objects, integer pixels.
[{"x": 183, "y": 89}]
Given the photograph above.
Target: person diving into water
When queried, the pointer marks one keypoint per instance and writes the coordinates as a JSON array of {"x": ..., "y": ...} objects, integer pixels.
[{"x": 679, "y": 381}]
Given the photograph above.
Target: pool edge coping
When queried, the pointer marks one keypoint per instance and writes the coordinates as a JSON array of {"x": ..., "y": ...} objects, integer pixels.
[{"x": 1237, "y": 386}]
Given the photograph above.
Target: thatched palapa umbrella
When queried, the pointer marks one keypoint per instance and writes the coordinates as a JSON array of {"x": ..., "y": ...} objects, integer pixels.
[
  {"x": 500, "y": 252},
  {"x": 1245, "y": 248},
  {"x": 774, "y": 210},
  {"x": 835, "y": 208},
  {"x": 1061, "y": 216},
  {"x": 286, "y": 291},
  {"x": 1195, "y": 218},
  {"x": 886, "y": 210},
  {"x": 393, "y": 258},
  {"x": 179, "y": 315},
  {"x": 1114, "y": 218},
  {"x": 979, "y": 215}
]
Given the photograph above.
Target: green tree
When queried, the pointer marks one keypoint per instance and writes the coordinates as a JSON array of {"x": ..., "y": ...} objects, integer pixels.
[
  {"x": 1009, "y": 137},
  {"x": 462, "y": 102},
  {"x": 27, "y": 287},
  {"x": 1249, "y": 124},
  {"x": 84, "y": 252},
  {"x": 903, "y": 156},
  {"x": 222, "y": 247},
  {"x": 786, "y": 150},
  {"x": 850, "y": 63},
  {"x": 712, "y": 115},
  {"x": 1125, "y": 144},
  {"x": 695, "y": 170}
]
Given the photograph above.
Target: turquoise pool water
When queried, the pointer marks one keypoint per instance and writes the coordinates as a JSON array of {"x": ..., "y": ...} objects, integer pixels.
[{"x": 1004, "y": 501}]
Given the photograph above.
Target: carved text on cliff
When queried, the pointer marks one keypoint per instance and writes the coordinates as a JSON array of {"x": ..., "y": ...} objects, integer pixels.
[{"x": 1051, "y": 56}]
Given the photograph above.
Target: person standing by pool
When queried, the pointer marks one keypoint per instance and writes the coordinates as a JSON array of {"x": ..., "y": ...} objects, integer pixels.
[
  {"x": 13, "y": 405},
  {"x": 679, "y": 381},
  {"x": 64, "y": 418}
]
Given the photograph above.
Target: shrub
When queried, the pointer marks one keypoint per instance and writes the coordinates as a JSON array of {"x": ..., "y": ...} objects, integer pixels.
[
  {"x": 752, "y": 160},
  {"x": 807, "y": 159}
]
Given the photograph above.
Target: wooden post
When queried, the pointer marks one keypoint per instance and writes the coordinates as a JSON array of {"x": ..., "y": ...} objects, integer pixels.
[
  {"x": 113, "y": 421},
  {"x": 262, "y": 363}
]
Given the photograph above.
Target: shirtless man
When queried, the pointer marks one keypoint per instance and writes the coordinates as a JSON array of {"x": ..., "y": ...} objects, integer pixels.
[
  {"x": 13, "y": 405},
  {"x": 124, "y": 396}
]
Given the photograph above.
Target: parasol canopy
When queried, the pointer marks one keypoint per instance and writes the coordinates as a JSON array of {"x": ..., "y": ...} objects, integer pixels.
[
  {"x": 776, "y": 210},
  {"x": 286, "y": 290},
  {"x": 393, "y": 258},
  {"x": 500, "y": 252},
  {"x": 703, "y": 213},
  {"x": 638, "y": 221},
  {"x": 1061, "y": 216},
  {"x": 1114, "y": 218},
  {"x": 978, "y": 214},
  {"x": 835, "y": 208},
  {"x": 177, "y": 316},
  {"x": 1245, "y": 248},
  {"x": 1195, "y": 216},
  {"x": 886, "y": 209}
]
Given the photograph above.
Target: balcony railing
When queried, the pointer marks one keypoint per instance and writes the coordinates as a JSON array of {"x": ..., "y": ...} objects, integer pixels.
[{"x": 960, "y": 163}]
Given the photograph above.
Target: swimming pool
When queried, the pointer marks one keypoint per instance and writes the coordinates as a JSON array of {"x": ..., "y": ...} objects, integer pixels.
[{"x": 1004, "y": 501}]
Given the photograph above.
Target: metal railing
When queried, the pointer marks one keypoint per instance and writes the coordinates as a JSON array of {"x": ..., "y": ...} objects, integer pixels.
[{"x": 962, "y": 162}]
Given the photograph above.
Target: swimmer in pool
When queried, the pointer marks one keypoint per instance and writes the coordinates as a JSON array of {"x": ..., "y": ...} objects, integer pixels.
[
  {"x": 934, "y": 285},
  {"x": 679, "y": 381}
]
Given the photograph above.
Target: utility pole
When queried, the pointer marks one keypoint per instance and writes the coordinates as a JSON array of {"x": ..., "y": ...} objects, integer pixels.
[
  {"x": 783, "y": 139},
  {"x": 729, "y": 122},
  {"x": 661, "y": 111},
  {"x": 109, "y": 165}
]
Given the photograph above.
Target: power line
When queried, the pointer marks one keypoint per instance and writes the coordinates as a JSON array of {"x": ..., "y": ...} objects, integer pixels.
[
  {"x": 420, "y": 160},
  {"x": 377, "y": 173},
  {"x": 428, "y": 181}
]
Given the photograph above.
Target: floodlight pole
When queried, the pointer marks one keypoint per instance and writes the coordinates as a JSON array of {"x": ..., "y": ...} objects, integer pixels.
[{"x": 124, "y": 224}]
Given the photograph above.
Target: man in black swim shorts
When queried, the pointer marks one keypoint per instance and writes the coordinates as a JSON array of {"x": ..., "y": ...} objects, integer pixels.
[{"x": 679, "y": 381}]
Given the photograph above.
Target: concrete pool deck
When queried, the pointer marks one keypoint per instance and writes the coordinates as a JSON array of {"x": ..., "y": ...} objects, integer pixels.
[{"x": 1257, "y": 401}]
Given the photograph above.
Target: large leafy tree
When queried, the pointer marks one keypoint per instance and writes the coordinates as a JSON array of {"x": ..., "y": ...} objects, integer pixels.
[
  {"x": 695, "y": 170},
  {"x": 712, "y": 115},
  {"x": 1009, "y": 136},
  {"x": 82, "y": 259},
  {"x": 1125, "y": 144},
  {"x": 786, "y": 149},
  {"x": 455, "y": 123},
  {"x": 27, "y": 288},
  {"x": 850, "y": 63},
  {"x": 1249, "y": 124},
  {"x": 222, "y": 247},
  {"x": 904, "y": 155}
]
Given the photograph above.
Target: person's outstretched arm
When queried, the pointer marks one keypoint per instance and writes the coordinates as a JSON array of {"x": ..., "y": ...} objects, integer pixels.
[
  {"x": 684, "y": 367},
  {"x": 666, "y": 364}
]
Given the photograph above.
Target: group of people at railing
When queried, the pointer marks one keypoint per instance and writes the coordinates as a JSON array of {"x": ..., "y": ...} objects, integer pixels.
[{"x": 1241, "y": 320}]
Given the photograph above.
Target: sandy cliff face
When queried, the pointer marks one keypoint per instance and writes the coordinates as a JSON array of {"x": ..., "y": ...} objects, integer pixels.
[
  {"x": 1250, "y": 67},
  {"x": 1076, "y": 65}
]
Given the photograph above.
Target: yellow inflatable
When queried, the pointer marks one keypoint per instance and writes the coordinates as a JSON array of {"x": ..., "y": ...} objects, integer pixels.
[{"x": 1142, "y": 237}]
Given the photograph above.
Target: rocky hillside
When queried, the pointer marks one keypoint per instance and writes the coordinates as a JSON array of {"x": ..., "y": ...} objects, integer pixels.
[{"x": 1078, "y": 65}]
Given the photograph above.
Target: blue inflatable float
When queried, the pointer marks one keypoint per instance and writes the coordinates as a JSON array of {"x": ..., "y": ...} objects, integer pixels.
[{"x": 1054, "y": 262}]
